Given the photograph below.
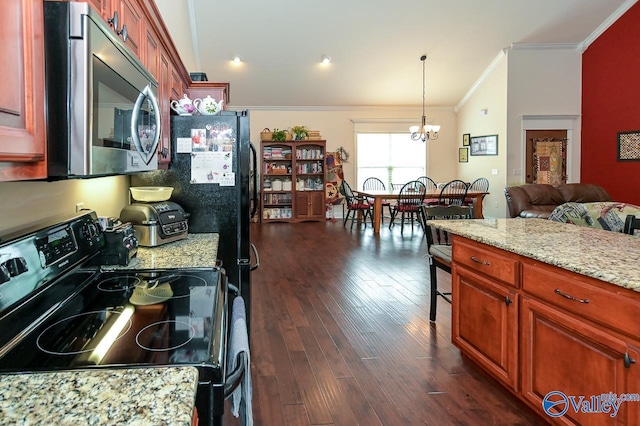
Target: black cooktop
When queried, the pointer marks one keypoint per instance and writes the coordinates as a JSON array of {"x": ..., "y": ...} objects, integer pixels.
[{"x": 118, "y": 319}]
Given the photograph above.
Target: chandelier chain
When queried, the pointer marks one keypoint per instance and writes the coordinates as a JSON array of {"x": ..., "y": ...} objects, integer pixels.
[
  {"x": 424, "y": 90},
  {"x": 424, "y": 132}
]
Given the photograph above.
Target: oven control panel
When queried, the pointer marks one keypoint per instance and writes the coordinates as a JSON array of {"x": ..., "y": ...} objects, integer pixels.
[
  {"x": 54, "y": 247},
  {"x": 62, "y": 242},
  {"x": 42, "y": 253}
]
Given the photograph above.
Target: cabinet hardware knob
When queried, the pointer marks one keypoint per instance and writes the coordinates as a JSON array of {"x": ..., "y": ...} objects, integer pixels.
[
  {"x": 482, "y": 262},
  {"x": 115, "y": 21},
  {"x": 570, "y": 297},
  {"x": 123, "y": 32},
  {"x": 628, "y": 360},
  {"x": 508, "y": 301}
]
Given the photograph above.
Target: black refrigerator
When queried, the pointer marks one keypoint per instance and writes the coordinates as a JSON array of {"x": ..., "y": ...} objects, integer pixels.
[{"x": 213, "y": 173}]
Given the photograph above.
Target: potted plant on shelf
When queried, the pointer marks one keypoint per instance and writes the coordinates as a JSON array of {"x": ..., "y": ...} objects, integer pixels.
[
  {"x": 299, "y": 132},
  {"x": 279, "y": 135}
]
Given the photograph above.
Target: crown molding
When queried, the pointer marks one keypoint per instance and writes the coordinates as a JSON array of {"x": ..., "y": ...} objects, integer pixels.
[
  {"x": 606, "y": 24},
  {"x": 387, "y": 120},
  {"x": 336, "y": 108},
  {"x": 545, "y": 46}
]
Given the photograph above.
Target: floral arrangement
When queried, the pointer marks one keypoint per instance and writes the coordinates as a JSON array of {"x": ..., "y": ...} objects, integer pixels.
[{"x": 299, "y": 132}]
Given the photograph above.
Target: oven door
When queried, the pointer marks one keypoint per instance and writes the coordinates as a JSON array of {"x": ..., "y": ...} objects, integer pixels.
[{"x": 125, "y": 123}]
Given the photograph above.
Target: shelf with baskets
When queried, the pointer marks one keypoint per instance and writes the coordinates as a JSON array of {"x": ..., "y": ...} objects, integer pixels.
[{"x": 292, "y": 182}]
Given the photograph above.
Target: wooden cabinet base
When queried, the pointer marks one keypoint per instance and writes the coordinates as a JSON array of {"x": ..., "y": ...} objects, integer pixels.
[
  {"x": 484, "y": 325},
  {"x": 571, "y": 360}
]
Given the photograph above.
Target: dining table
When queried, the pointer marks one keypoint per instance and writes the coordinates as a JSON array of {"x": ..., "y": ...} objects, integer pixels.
[{"x": 378, "y": 195}]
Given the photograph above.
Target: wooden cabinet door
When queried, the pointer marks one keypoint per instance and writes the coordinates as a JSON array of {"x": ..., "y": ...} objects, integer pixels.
[
  {"x": 177, "y": 85},
  {"x": 302, "y": 205},
  {"x": 218, "y": 91},
  {"x": 103, "y": 7},
  {"x": 562, "y": 353},
  {"x": 151, "y": 59},
  {"x": 164, "y": 95},
  {"x": 485, "y": 324},
  {"x": 22, "y": 109},
  {"x": 310, "y": 205},
  {"x": 317, "y": 205},
  {"x": 131, "y": 16}
]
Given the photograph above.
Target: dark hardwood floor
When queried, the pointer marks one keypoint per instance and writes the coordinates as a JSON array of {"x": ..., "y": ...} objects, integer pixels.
[{"x": 340, "y": 335}]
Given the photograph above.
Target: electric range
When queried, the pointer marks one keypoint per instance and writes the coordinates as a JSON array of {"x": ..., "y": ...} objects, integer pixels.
[{"x": 57, "y": 313}]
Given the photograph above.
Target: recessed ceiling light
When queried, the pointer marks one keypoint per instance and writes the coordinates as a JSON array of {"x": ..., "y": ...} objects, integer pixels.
[
  {"x": 237, "y": 59},
  {"x": 325, "y": 60}
]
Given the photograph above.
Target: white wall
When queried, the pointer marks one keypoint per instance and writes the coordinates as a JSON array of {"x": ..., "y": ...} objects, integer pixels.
[
  {"x": 175, "y": 14},
  {"x": 538, "y": 86},
  {"x": 337, "y": 127},
  {"x": 28, "y": 202},
  {"x": 543, "y": 81},
  {"x": 489, "y": 94}
]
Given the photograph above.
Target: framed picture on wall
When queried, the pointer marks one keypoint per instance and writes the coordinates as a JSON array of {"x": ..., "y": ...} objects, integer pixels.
[
  {"x": 466, "y": 139},
  {"x": 463, "y": 155},
  {"x": 629, "y": 146},
  {"x": 484, "y": 145}
]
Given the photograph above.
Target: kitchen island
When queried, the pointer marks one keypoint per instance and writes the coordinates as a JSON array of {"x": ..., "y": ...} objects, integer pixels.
[
  {"x": 608, "y": 256},
  {"x": 552, "y": 311},
  {"x": 144, "y": 396}
]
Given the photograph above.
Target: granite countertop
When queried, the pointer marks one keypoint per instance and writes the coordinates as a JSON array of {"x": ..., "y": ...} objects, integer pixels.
[
  {"x": 195, "y": 251},
  {"x": 145, "y": 396},
  {"x": 608, "y": 256}
]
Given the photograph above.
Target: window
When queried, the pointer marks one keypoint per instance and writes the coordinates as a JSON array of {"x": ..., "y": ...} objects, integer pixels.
[{"x": 391, "y": 157}]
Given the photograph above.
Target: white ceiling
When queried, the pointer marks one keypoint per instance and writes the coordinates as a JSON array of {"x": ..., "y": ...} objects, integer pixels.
[{"x": 375, "y": 45}]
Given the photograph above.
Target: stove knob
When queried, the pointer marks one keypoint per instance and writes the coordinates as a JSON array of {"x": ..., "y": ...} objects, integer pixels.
[
  {"x": 16, "y": 266},
  {"x": 4, "y": 274},
  {"x": 89, "y": 231}
]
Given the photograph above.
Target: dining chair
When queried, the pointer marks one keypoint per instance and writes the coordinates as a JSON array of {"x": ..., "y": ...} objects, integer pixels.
[
  {"x": 431, "y": 187},
  {"x": 631, "y": 224},
  {"x": 439, "y": 247},
  {"x": 453, "y": 193},
  {"x": 377, "y": 184},
  {"x": 410, "y": 200},
  {"x": 429, "y": 183},
  {"x": 478, "y": 185},
  {"x": 355, "y": 205}
]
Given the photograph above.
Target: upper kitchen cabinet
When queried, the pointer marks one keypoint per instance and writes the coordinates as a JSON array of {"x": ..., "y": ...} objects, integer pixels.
[
  {"x": 218, "y": 91},
  {"x": 22, "y": 109},
  {"x": 131, "y": 18},
  {"x": 105, "y": 8},
  {"x": 177, "y": 84},
  {"x": 151, "y": 58}
]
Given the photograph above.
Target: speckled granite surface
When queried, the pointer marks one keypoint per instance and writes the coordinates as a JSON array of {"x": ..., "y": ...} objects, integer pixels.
[
  {"x": 608, "y": 256},
  {"x": 148, "y": 396},
  {"x": 195, "y": 251}
]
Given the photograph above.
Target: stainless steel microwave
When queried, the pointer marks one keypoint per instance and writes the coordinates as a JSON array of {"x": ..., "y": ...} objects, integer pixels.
[{"x": 102, "y": 113}]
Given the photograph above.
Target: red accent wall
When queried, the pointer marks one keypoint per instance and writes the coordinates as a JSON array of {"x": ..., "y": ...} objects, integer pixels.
[{"x": 611, "y": 104}]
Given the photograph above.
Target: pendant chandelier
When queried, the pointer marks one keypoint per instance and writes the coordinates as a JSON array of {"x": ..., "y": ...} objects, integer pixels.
[{"x": 425, "y": 131}]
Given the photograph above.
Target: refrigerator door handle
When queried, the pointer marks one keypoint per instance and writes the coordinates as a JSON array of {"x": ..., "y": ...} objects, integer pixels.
[
  {"x": 255, "y": 252},
  {"x": 254, "y": 154}
]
